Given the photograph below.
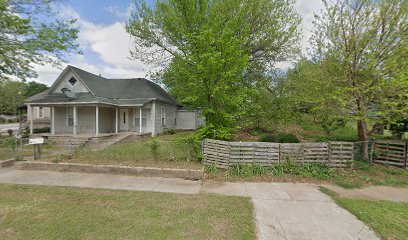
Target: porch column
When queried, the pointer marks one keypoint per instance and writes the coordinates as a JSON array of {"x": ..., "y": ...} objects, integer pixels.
[
  {"x": 153, "y": 116},
  {"x": 74, "y": 110},
  {"x": 52, "y": 120},
  {"x": 116, "y": 120},
  {"x": 140, "y": 120},
  {"x": 31, "y": 117},
  {"x": 97, "y": 120}
]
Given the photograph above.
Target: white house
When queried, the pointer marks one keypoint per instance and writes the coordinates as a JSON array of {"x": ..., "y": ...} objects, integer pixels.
[{"x": 80, "y": 102}]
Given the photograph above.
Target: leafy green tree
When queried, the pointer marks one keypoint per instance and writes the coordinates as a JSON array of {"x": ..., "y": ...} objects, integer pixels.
[
  {"x": 214, "y": 52},
  {"x": 30, "y": 34},
  {"x": 33, "y": 88},
  {"x": 11, "y": 96},
  {"x": 362, "y": 45},
  {"x": 312, "y": 93}
]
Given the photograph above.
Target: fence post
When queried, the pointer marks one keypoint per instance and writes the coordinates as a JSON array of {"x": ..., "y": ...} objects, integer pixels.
[
  {"x": 229, "y": 154},
  {"x": 329, "y": 153},
  {"x": 279, "y": 153},
  {"x": 69, "y": 147},
  {"x": 372, "y": 151}
]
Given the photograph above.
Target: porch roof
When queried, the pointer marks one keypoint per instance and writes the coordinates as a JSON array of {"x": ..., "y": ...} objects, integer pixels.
[{"x": 85, "y": 98}]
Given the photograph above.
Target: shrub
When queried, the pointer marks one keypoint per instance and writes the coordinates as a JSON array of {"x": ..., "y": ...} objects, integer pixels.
[
  {"x": 319, "y": 171},
  {"x": 154, "y": 148},
  {"x": 268, "y": 138},
  {"x": 170, "y": 131},
  {"x": 41, "y": 130},
  {"x": 8, "y": 142},
  {"x": 288, "y": 138},
  {"x": 215, "y": 132},
  {"x": 10, "y": 132}
]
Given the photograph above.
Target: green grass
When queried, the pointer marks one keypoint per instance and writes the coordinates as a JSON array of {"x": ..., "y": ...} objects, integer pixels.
[
  {"x": 371, "y": 175},
  {"x": 362, "y": 176},
  {"x": 6, "y": 153},
  {"x": 171, "y": 153},
  {"x": 38, "y": 212},
  {"x": 388, "y": 219}
]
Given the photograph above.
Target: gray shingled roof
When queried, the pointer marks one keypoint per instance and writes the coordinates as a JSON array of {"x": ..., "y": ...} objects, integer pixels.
[{"x": 133, "y": 91}]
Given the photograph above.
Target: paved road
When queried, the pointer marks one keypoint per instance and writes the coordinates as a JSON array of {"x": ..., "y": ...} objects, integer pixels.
[
  {"x": 5, "y": 127},
  {"x": 282, "y": 210}
]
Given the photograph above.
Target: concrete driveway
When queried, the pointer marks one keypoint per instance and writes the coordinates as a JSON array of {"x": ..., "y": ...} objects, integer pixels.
[
  {"x": 295, "y": 211},
  {"x": 282, "y": 210}
]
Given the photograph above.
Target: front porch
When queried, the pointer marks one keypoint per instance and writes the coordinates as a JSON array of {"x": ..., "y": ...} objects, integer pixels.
[{"x": 96, "y": 120}]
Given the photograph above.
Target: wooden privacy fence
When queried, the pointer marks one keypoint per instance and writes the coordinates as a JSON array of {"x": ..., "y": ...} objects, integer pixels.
[
  {"x": 391, "y": 153},
  {"x": 225, "y": 154}
]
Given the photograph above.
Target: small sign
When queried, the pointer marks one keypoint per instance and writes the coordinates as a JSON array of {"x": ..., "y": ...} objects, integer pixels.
[{"x": 33, "y": 141}]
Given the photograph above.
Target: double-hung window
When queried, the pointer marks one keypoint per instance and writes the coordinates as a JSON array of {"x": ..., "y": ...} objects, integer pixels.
[
  {"x": 136, "y": 114},
  {"x": 70, "y": 116},
  {"x": 40, "y": 112}
]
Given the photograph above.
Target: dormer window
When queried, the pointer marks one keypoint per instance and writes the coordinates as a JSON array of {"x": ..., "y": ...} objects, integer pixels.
[{"x": 72, "y": 81}]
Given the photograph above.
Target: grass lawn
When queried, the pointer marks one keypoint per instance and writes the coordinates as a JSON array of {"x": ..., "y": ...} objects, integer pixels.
[
  {"x": 39, "y": 212},
  {"x": 388, "y": 219},
  {"x": 170, "y": 153}
]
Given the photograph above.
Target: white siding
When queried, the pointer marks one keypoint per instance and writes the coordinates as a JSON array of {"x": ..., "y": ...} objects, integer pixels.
[
  {"x": 170, "y": 116},
  {"x": 77, "y": 87},
  {"x": 34, "y": 114}
]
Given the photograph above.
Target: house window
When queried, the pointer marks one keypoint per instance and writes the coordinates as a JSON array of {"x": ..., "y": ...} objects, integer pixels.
[
  {"x": 40, "y": 112},
  {"x": 70, "y": 116},
  {"x": 163, "y": 116},
  {"x": 136, "y": 114},
  {"x": 72, "y": 81}
]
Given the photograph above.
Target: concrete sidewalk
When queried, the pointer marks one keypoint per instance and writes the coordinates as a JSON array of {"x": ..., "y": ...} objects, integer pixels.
[
  {"x": 282, "y": 210},
  {"x": 376, "y": 193},
  {"x": 295, "y": 211},
  {"x": 87, "y": 180}
]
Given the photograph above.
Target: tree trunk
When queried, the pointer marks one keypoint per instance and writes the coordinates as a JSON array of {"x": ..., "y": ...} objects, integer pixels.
[{"x": 363, "y": 136}]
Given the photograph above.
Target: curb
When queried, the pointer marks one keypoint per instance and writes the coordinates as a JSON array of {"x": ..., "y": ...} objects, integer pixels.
[
  {"x": 112, "y": 169},
  {"x": 7, "y": 163}
]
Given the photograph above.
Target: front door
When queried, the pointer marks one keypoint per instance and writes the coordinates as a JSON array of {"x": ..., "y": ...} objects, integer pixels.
[{"x": 124, "y": 120}]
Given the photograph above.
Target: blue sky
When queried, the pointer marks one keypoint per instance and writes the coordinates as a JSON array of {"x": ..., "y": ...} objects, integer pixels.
[{"x": 105, "y": 44}]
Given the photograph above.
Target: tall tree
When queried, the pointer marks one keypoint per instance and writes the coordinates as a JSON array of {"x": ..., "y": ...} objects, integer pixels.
[
  {"x": 363, "y": 45},
  {"x": 31, "y": 34},
  {"x": 33, "y": 88},
  {"x": 213, "y": 52}
]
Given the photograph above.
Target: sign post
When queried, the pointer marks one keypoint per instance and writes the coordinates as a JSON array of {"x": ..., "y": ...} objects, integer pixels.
[{"x": 36, "y": 142}]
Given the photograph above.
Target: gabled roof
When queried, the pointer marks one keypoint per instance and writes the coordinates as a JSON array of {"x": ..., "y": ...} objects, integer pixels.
[{"x": 132, "y": 91}]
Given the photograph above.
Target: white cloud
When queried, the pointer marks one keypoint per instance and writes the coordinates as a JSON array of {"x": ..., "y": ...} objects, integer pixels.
[
  {"x": 110, "y": 43},
  {"x": 307, "y": 9},
  {"x": 119, "y": 12}
]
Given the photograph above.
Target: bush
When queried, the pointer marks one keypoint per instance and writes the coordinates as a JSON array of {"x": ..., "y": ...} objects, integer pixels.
[
  {"x": 215, "y": 132},
  {"x": 8, "y": 142},
  {"x": 42, "y": 130},
  {"x": 316, "y": 170},
  {"x": 170, "y": 131},
  {"x": 288, "y": 138},
  {"x": 154, "y": 148},
  {"x": 268, "y": 138}
]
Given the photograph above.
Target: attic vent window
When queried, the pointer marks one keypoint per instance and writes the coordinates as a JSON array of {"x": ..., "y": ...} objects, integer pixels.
[{"x": 72, "y": 81}]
